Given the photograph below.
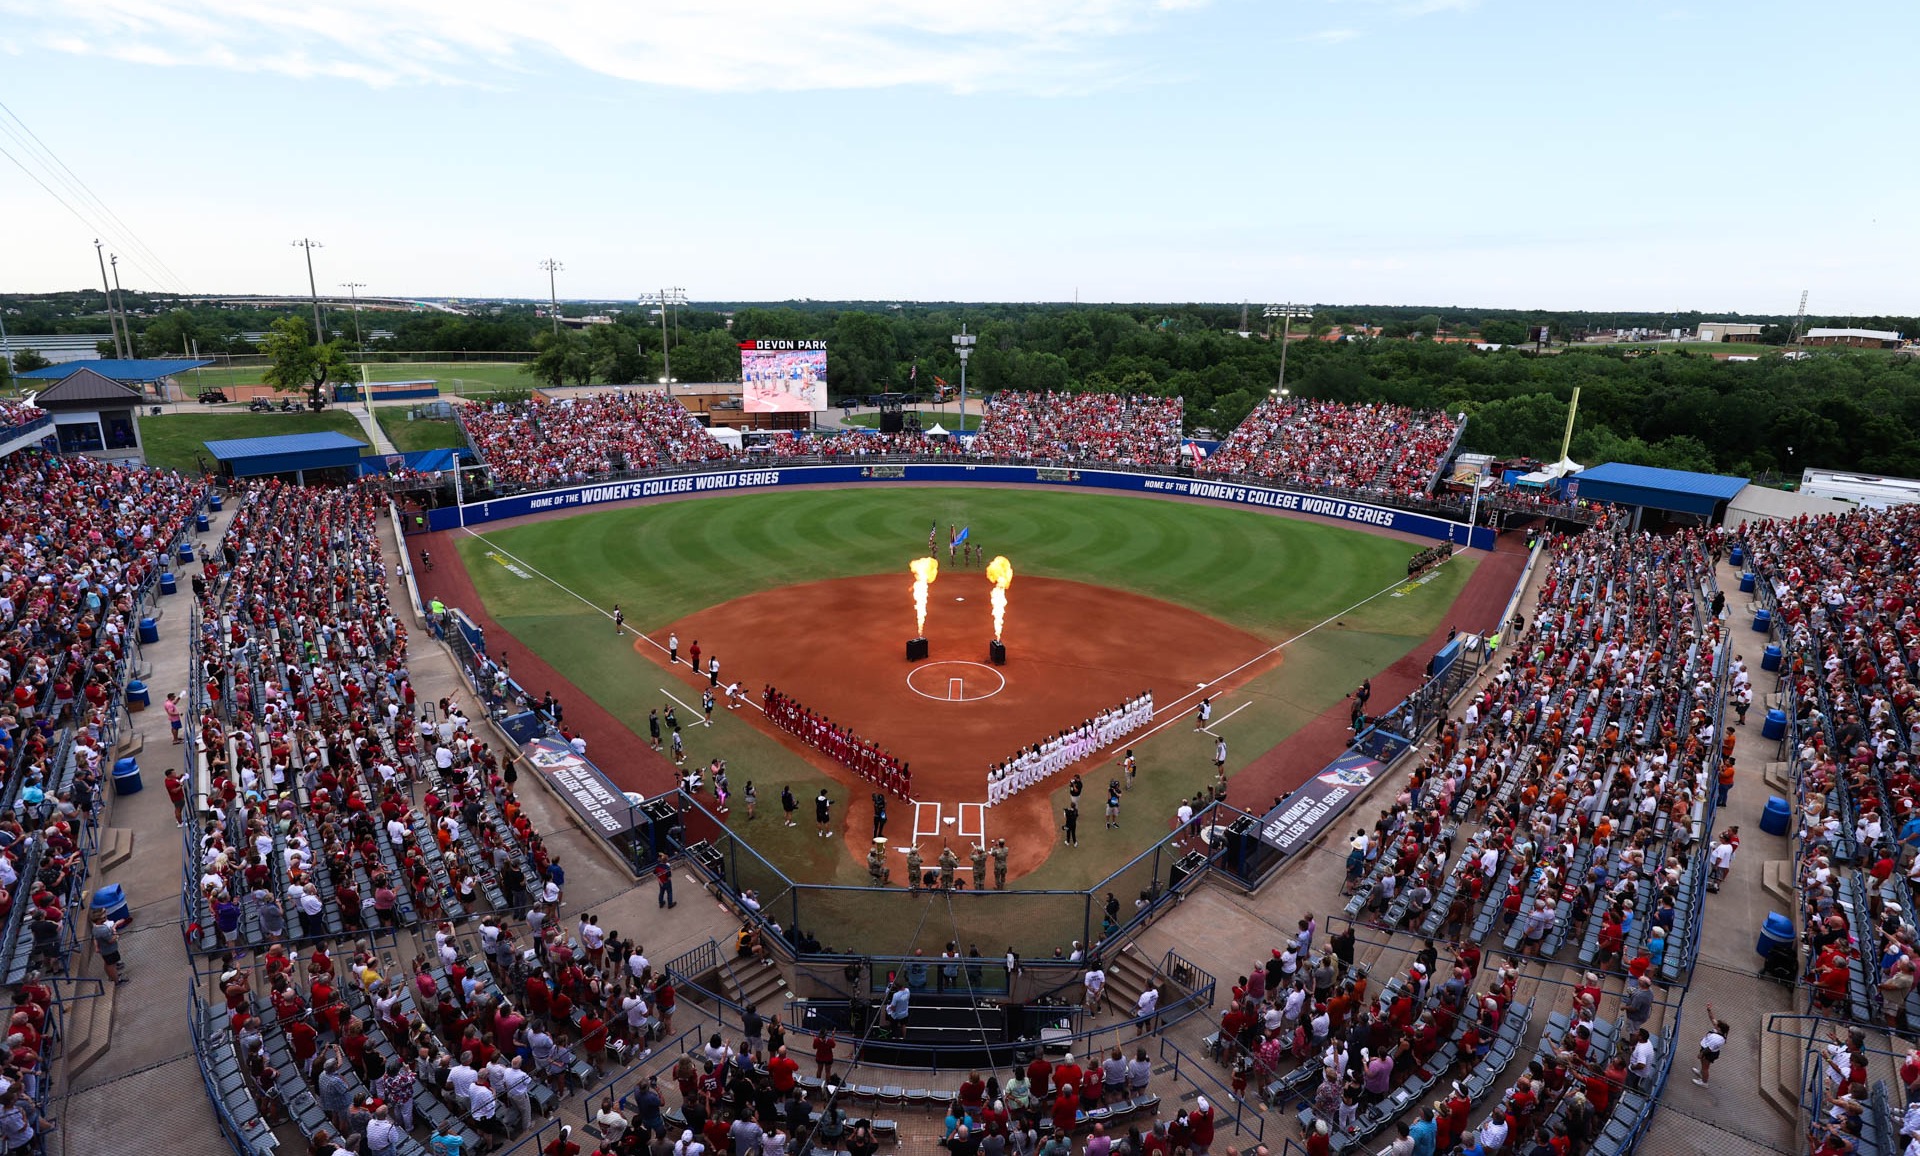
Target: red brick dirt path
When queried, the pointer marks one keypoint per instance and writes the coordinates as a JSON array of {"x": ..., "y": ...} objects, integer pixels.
[{"x": 1307, "y": 751}]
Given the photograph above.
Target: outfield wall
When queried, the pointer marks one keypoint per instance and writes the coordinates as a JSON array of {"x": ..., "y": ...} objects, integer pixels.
[{"x": 578, "y": 498}]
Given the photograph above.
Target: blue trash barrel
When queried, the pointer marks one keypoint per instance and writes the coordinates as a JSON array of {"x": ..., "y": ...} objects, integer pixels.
[
  {"x": 1737, "y": 556},
  {"x": 186, "y": 551},
  {"x": 1770, "y": 657},
  {"x": 213, "y": 502},
  {"x": 1776, "y": 725},
  {"x": 1777, "y": 930},
  {"x": 149, "y": 630},
  {"x": 200, "y": 523},
  {"x": 126, "y": 776},
  {"x": 111, "y": 899},
  {"x": 169, "y": 584},
  {"x": 1776, "y": 818},
  {"x": 1746, "y": 582},
  {"x": 1763, "y": 620},
  {"x": 137, "y": 696}
]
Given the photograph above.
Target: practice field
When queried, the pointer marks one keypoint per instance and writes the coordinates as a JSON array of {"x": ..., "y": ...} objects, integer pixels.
[
  {"x": 812, "y": 586},
  {"x": 464, "y": 378}
]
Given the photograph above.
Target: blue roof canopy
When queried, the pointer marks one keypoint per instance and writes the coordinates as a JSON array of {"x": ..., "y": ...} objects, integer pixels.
[
  {"x": 137, "y": 370},
  {"x": 1681, "y": 491},
  {"x": 234, "y": 449}
]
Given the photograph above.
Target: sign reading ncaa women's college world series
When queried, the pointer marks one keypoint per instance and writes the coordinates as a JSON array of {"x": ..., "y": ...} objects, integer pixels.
[
  {"x": 586, "y": 789},
  {"x": 575, "y": 498},
  {"x": 1296, "y": 819}
]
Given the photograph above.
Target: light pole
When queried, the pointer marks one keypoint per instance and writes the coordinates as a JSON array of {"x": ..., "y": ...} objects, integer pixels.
[
  {"x": 553, "y": 298},
  {"x": 1286, "y": 314},
  {"x": 353, "y": 290},
  {"x": 963, "y": 345},
  {"x": 313, "y": 289},
  {"x": 106, "y": 290},
  {"x": 665, "y": 299}
]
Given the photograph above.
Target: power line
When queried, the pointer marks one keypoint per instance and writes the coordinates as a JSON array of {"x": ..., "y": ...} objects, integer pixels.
[
  {"x": 136, "y": 243},
  {"x": 139, "y": 251}
]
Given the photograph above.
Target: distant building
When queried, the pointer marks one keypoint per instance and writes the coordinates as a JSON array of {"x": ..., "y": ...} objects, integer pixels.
[
  {"x": 1727, "y": 331},
  {"x": 1858, "y": 338}
]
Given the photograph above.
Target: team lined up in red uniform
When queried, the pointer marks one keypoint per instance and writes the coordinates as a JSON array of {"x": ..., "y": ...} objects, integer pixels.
[{"x": 863, "y": 758}]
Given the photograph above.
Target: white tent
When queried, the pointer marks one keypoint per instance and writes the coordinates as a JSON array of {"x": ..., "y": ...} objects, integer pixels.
[
  {"x": 729, "y": 438},
  {"x": 1554, "y": 472},
  {"x": 938, "y": 431}
]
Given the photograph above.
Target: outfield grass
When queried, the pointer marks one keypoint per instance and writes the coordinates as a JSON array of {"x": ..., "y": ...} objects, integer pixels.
[
  {"x": 1274, "y": 577},
  {"x": 173, "y": 441},
  {"x": 927, "y": 417},
  {"x": 420, "y": 433}
]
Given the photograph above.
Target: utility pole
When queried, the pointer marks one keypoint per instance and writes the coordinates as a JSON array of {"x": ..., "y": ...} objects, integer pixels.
[
  {"x": 121, "y": 300},
  {"x": 106, "y": 291},
  {"x": 1286, "y": 314},
  {"x": 963, "y": 343},
  {"x": 553, "y": 297},
  {"x": 313, "y": 289},
  {"x": 353, "y": 290}
]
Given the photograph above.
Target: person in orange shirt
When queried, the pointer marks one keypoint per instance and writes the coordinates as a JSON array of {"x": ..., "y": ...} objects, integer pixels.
[{"x": 1726, "y": 771}]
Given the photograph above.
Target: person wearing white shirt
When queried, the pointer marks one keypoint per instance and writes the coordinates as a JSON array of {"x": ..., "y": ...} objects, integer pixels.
[
  {"x": 637, "y": 964},
  {"x": 1096, "y": 985},
  {"x": 460, "y": 1078},
  {"x": 1144, "y": 1008}
]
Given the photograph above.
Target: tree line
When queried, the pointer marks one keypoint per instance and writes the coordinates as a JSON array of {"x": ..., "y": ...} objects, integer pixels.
[{"x": 1682, "y": 409}]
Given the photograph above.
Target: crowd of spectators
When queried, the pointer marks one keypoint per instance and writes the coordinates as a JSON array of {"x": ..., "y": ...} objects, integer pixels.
[
  {"x": 338, "y": 808},
  {"x": 1842, "y": 590},
  {"x": 1086, "y": 428},
  {"x": 80, "y": 546},
  {"x": 1390, "y": 449},
  {"x": 13, "y": 414},
  {"x": 575, "y": 439}
]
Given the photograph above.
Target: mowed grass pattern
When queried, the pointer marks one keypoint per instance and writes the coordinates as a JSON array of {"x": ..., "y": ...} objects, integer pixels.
[{"x": 1274, "y": 577}]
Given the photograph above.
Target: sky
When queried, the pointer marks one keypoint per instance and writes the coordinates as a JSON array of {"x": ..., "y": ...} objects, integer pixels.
[{"x": 1656, "y": 155}]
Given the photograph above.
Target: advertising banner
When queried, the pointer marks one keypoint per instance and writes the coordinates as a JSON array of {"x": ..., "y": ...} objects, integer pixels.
[
  {"x": 1296, "y": 819},
  {"x": 724, "y": 481},
  {"x": 589, "y": 792}
]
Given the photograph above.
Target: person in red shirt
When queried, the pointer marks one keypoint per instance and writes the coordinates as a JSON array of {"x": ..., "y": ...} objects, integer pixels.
[
  {"x": 1066, "y": 1074},
  {"x": 1066, "y": 1106},
  {"x": 1200, "y": 1120},
  {"x": 823, "y": 1055},
  {"x": 304, "y": 1042},
  {"x": 593, "y": 1037},
  {"x": 973, "y": 1093},
  {"x": 1040, "y": 1076},
  {"x": 782, "y": 1071}
]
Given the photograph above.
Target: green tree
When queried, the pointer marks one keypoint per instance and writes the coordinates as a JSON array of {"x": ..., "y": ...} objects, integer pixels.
[
  {"x": 28, "y": 360},
  {"x": 296, "y": 364},
  {"x": 613, "y": 355},
  {"x": 1503, "y": 332},
  {"x": 556, "y": 357}
]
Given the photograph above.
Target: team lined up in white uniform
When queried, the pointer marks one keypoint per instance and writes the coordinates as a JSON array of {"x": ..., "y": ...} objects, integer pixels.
[{"x": 1036, "y": 763}]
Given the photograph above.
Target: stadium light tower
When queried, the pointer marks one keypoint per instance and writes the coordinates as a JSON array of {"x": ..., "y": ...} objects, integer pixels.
[
  {"x": 1286, "y": 314},
  {"x": 353, "y": 290},
  {"x": 665, "y": 299},
  {"x": 553, "y": 298},
  {"x": 963, "y": 345},
  {"x": 313, "y": 289}
]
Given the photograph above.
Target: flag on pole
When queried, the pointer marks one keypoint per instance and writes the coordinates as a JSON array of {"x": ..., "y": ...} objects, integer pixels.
[
  {"x": 962, "y": 536},
  {"x": 913, "y": 374}
]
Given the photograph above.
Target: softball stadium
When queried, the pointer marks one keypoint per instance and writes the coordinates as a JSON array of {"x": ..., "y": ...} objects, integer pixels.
[{"x": 626, "y": 790}]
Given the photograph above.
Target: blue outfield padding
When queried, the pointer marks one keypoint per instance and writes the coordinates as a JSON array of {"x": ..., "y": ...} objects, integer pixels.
[{"x": 728, "y": 481}]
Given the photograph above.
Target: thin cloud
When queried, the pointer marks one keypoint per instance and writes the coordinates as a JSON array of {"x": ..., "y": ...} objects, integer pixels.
[
  {"x": 1329, "y": 36},
  {"x": 1045, "y": 46}
]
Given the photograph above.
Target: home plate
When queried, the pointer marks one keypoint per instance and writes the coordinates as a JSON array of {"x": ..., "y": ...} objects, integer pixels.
[
  {"x": 949, "y": 819},
  {"x": 959, "y": 599}
]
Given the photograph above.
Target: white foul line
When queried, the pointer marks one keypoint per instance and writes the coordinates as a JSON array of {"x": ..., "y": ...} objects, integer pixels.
[
  {"x": 1223, "y": 718},
  {"x": 688, "y": 705},
  {"x": 602, "y": 613}
]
